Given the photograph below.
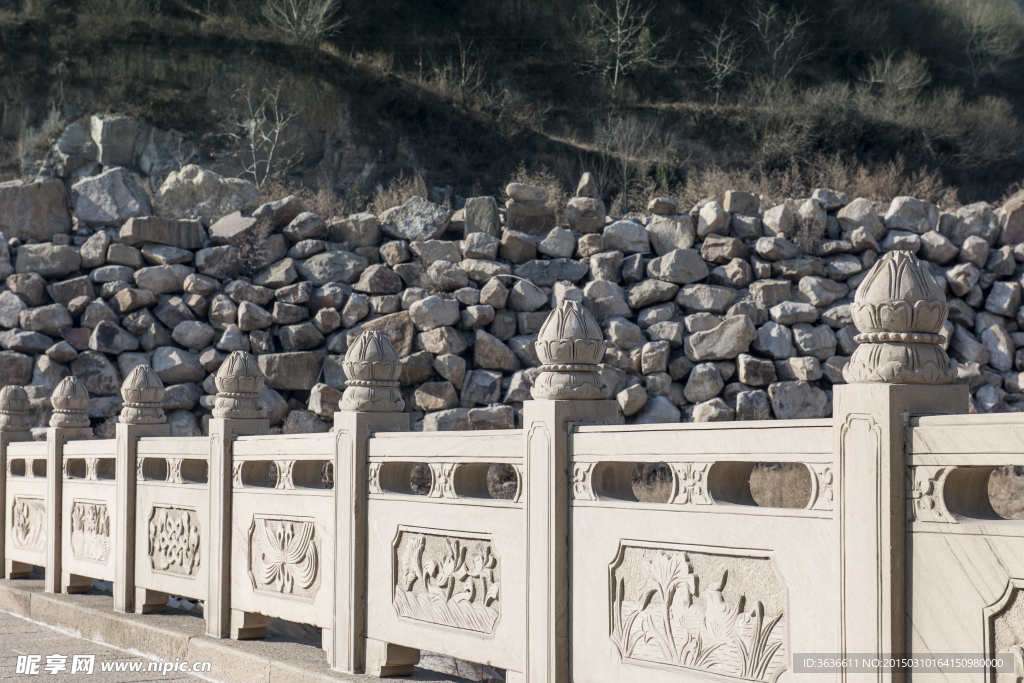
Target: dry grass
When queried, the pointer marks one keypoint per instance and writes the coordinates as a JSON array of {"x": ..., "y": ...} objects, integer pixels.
[{"x": 399, "y": 190}]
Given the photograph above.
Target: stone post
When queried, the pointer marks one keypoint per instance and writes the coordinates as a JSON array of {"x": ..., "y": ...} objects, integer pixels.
[
  {"x": 372, "y": 403},
  {"x": 238, "y": 411},
  {"x": 14, "y": 426},
  {"x": 898, "y": 371},
  {"x": 569, "y": 390},
  {"x": 69, "y": 422},
  {"x": 142, "y": 414}
]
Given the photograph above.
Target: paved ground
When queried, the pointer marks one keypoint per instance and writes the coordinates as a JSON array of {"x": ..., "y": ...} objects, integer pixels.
[{"x": 20, "y": 636}]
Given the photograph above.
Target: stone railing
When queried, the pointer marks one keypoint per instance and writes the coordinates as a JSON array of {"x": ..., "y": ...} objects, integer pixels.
[{"x": 533, "y": 550}]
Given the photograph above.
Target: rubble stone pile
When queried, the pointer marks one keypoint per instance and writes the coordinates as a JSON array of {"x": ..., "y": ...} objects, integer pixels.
[{"x": 710, "y": 313}]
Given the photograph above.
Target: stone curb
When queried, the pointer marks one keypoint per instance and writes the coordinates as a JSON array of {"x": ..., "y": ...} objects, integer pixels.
[{"x": 277, "y": 659}]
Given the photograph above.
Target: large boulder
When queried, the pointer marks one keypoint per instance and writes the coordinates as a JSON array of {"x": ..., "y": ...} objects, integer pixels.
[
  {"x": 114, "y": 135},
  {"x": 298, "y": 370},
  {"x": 417, "y": 219},
  {"x": 194, "y": 192},
  {"x": 37, "y": 210},
  {"x": 47, "y": 260},
  {"x": 110, "y": 198},
  {"x": 332, "y": 266},
  {"x": 183, "y": 234}
]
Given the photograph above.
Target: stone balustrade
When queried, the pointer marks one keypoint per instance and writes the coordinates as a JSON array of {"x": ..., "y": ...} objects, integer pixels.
[{"x": 535, "y": 550}]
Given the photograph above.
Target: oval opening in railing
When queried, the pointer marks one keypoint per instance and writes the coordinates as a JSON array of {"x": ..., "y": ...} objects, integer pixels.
[
  {"x": 640, "y": 482},
  {"x": 761, "y": 484},
  {"x": 1004, "y": 491}
]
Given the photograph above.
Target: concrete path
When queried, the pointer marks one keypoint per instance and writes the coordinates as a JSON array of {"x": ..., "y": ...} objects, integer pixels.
[{"x": 20, "y": 637}]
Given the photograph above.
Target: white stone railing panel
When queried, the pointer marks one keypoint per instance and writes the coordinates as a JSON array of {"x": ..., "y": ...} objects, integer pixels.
[{"x": 25, "y": 506}]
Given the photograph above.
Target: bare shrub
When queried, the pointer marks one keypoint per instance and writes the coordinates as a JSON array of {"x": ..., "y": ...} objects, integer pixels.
[
  {"x": 721, "y": 55},
  {"x": 909, "y": 72},
  {"x": 323, "y": 199},
  {"x": 617, "y": 39},
  {"x": 400, "y": 189},
  {"x": 253, "y": 247},
  {"x": 782, "y": 40},
  {"x": 123, "y": 10},
  {"x": 988, "y": 34},
  {"x": 263, "y": 133},
  {"x": 306, "y": 21}
]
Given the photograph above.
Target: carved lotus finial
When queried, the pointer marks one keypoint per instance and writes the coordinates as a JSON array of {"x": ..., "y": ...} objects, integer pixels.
[
  {"x": 239, "y": 382},
  {"x": 570, "y": 346},
  {"x": 899, "y": 310},
  {"x": 372, "y": 357},
  {"x": 899, "y": 295},
  {"x": 143, "y": 395},
  {"x": 14, "y": 409},
  {"x": 372, "y": 367},
  {"x": 70, "y": 400}
]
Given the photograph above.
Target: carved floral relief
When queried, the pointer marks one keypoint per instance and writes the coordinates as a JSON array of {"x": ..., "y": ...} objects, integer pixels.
[
  {"x": 703, "y": 611},
  {"x": 90, "y": 531},
  {"x": 28, "y": 521},
  {"x": 1004, "y": 635},
  {"x": 448, "y": 580},
  {"x": 174, "y": 540},
  {"x": 283, "y": 556}
]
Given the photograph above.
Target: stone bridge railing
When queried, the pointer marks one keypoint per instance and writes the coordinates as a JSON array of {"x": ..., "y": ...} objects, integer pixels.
[{"x": 568, "y": 572}]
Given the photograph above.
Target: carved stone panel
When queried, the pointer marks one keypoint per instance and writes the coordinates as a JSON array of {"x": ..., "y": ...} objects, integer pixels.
[
  {"x": 924, "y": 494},
  {"x": 28, "y": 523},
  {"x": 691, "y": 483},
  {"x": 446, "y": 578},
  {"x": 1005, "y": 630},
  {"x": 283, "y": 556},
  {"x": 174, "y": 540},
  {"x": 90, "y": 531},
  {"x": 709, "y": 612}
]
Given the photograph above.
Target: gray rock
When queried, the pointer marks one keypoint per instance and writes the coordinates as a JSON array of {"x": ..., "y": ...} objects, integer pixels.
[
  {"x": 432, "y": 396},
  {"x": 706, "y": 298},
  {"x": 479, "y": 270},
  {"x": 631, "y": 399},
  {"x": 937, "y": 248},
  {"x": 47, "y": 260},
  {"x": 559, "y": 243},
  {"x": 792, "y": 312},
  {"x": 976, "y": 219},
  {"x": 378, "y": 279},
  {"x": 277, "y": 275},
  {"x": 10, "y": 308},
  {"x": 774, "y": 340},
  {"x": 430, "y": 251},
  {"x": 332, "y": 266},
  {"x": 974, "y": 250},
  {"x": 526, "y": 296},
  {"x": 164, "y": 255},
  {"x": 62, "y": 352},
  {"x": 94, "y": 250},
  {"x": 648, "y": 292},
  {"x": 899, "y": 240},
  {"x": 15, "y": 368},
  {"x": 657, "y": 411},
  {"x": 832, "y": 369},
  {"x": 1000, "y": 347},
  {"x": 48, "y": 373},
  {"x": 607, "y": 266},
  {"x": 531, "y": 217},
  {"x": 819, "y": 341},
  {"x": 481, "y": 387},
  {"x": 183, "y": 423},
  {"x": 433, "y": 312},
  {"x": 517, "y": 247},
  {"x": 282, "y": 211},
  {"x": 755, "y": 372},
  {"x": 110, "y": 338},
  {"x": 712, "y": 219},
  {"x": 482, "y": 217},
  {"x": 303, "y": 422},
  {"x": 861, "y": 214},
  {"x": 183, "y": 234},
  {"x": 300, "y": 337},
  {"x": 491, "y": 353},
  {"x": 182, "y": 396},
  {"x": 163, "y": 279},
  {"x": 715, "y": 410},
  {"x": 843, "y": 266},
  {"x": 776, "y": 249},
  {"x": 481, "y": 245},
  {"x": 547, "y": 273},
  {"x": 110, "y": 198},
  {"x": 193, "y": 334},
  {"x": 1004, "y": 298},
  {"x": 493, "y": 417},
  {"x": 819, "y": 291},
  {"x": 46, "y": 319},
  {"x": 306, "y": 226},
  {"x": 417, "y": 219},
  {"x": 454, "y": 420},
  {"x": 726, "y": 340},
  {"x": 668, "y": 233},
  {"x": 797, "y": 400},
  {"x": 37, "y": 210},
  {"x": 585, "y": 214},
  {"x": 627, "y": 237},
  {"x": 802, "y": 367},
  {"x": 97, "y": 373},
  {"x": 25, "y": 342},
  {"x": 705, "y": 382},
  {"x": 605, "y": 299},
  {"x": 291, "y": 371},
  {"x": 779, "y": 220},
  {"x": 29, "y": 287},
  {"x": 682, "y": 267},
  {"x": 753, "y": 405},
  {"x": 719, "y": 249},
  {"x": 175, "y": 366},
  {"x": 112, "y": 274}
]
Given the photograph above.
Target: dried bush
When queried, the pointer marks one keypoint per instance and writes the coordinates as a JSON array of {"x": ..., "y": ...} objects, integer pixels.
[
  {"x": 400, "y": 189},
  {"x": 307, "y": 22},
  {"x": 253, "y": 247}
]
